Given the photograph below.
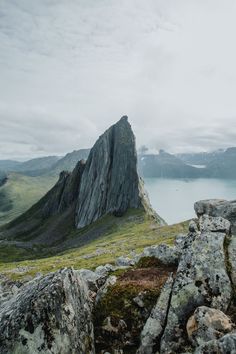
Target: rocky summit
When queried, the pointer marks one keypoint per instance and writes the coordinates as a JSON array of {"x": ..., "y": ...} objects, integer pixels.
[
  {"x": 106, "y": 184},
  {"x": 165, "y": 300},
  {"x": 110, "y": 182}
]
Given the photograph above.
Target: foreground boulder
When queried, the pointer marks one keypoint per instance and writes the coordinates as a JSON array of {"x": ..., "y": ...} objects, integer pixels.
[
  {"x": 201, "y": 279},
  {"x": 217, "y": 207},
  {"x": 51, "y": 314},
  {"x": 207, "y": 324}
]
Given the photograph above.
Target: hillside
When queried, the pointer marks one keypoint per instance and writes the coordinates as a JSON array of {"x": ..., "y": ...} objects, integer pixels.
[
  {"x": 199, "y": 158},
  {"x": 72, "y": 204},
  {"x": 21, "y": 192},
  {"x": 68, "y": 162}
]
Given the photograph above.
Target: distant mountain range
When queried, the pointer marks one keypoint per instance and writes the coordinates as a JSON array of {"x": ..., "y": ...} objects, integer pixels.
[
  {"x": 218, "y": 164},
  {"x": 165, "y": 165},
  {"x": 48, "y": 165}
]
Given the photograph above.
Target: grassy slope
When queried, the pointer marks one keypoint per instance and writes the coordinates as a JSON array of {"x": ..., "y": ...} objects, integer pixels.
[
  {"x": 20, "y": 192},
  {"x": 133, "y": 232}
]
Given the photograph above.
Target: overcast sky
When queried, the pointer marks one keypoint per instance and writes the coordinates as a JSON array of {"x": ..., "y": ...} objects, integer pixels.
[{"x": 71, "y": 68}]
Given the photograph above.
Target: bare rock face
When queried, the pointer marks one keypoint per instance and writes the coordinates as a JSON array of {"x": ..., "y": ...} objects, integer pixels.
[
  {"x": 51, "y": 314},
  {"x": 201, "y": 279},
  {"x": 64, "y": 193},
  {"x": 110, "y": 182},
  {"x": 207, "y": 324}
]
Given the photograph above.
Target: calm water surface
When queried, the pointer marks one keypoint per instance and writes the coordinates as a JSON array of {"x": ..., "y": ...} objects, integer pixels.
[{"x": 173, "y": 199}]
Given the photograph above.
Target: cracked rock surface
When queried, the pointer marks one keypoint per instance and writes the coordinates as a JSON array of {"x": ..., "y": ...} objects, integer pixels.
[{"x": 51, "y": 314}]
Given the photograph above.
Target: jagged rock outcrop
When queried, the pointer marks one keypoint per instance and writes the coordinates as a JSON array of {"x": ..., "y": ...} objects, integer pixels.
[
  {"x": 110, "y": 182},
  {"x": 64, "y": 193},
  {"x": 107, "y": 183},
  {"x": 51, "y": 314},
  {"x": 201, "y": 279}
]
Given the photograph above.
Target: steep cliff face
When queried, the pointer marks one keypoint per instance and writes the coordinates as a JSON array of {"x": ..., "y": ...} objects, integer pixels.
[{"x": 110, "y": 182}]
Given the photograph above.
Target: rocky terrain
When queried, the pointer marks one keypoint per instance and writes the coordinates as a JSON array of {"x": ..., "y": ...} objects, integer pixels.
[{"x": 167, "y": 299}]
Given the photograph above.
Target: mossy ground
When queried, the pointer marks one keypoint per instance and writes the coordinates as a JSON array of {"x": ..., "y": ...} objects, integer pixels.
[
  {"x": 118, "y": 305},
  {"x": 130, "y": 233}
]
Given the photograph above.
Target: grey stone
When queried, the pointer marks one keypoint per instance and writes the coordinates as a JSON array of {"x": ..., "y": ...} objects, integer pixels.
[
  {"x": 193, "y": 226},
  {"x": 104, "y": 269},
  {"x": 51, "y": 314},
  {"x": 111, "y": 280},
  {"x": 201, "y": 279},
  {"x": 93, "y": 279},
  {"x": 224, "y": 345},
  {"x": 155, "y": 324},
  {"x": 213, "y": 224},
  {"x": 232, "y": 258},
  {"x": 124, "y": 262},
  {"x": 217, "y": 207},
  {"x": 166, "y": 254},
  {"x": 207, "y": 324}
]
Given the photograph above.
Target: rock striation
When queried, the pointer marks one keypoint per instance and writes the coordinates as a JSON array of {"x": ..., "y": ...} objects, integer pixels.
[{"x": 110, "y": 183}]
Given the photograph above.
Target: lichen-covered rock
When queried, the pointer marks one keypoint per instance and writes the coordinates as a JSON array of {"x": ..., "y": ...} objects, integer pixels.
[
  {"x": 217, "y": 207},
  {"x": 111, "y": 280},
  {"x": 155, "y": 324},
  {"x": 207, "y": 324},
  {"x": 232, "y": 258},
  {"x": 224, "y": 345},
  {"x": 214, "y": 224},
  {"x": 93, "y": 279},
  {"x": 104, "y": 270},
  {"x": 124, "y": 261},
  {"x": 164, "y": 253},
  {"x": 201, "y": 279},
  {"x": 50, "y": 315},
  {"x": 110, "y": 182}
]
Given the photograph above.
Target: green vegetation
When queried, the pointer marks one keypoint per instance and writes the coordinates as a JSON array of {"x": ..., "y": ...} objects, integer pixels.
[
  {"x": 21, "y": 192},
  {"x": 123, "y": 235}
]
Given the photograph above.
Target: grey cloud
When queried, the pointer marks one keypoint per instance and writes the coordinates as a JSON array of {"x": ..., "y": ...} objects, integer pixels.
[{"x": 70, "y": 68}]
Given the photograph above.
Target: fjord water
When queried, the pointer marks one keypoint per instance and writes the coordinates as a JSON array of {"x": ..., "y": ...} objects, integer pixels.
[{"x": 173, "y": 199}]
